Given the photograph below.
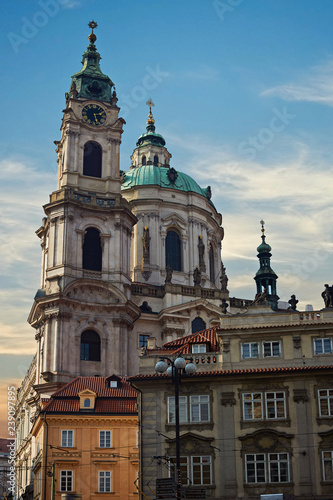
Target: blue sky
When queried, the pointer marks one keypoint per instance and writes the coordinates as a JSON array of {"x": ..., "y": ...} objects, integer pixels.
[{"x": 243, "y": 93}]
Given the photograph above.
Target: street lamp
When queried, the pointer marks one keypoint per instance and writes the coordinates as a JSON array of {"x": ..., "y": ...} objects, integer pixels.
[{"x": 175, "y": 369}]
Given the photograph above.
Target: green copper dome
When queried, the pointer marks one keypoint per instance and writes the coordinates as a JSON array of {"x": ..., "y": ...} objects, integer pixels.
[
  {"x": 153, "y": 175},
  {"x": 264, "y": 247}
]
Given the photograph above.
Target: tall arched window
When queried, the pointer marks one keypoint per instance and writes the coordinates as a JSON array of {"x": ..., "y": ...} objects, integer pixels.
[
  {"x": 173, "y": 251},
  {"x": 92, "y": 160},
  {"x": 198, "y": 324},
  {"x": 144, "y": 160},
  {"x": 92, "y": 250},
  {"x": 90, "y": 346},
  {"x": 211, "y": 264},
  {"x": 155, "y": 160}
]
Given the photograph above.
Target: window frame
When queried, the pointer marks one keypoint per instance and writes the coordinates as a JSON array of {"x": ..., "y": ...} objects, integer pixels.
[
  {"x": 200, "y": 404},
  {"x": 273, "y": 463},
  {"x": 271, "y": 344},
  {"x": 199, "y": 348},
  {"x": 173, "y": 250},
  {"x": 251, "y": 345},
  {"x": 322, "y": 342},
  {"x": 106, "y": 437},
  {"x": 103, "y": 477},
  {"x": 327, "y": 397},
  {"x": 172, "y": 406},
  {"x": 264, "y": 403},
  {"x": 187, "y": 466},
  {"x": 67, "y": 477},
  {"x": 143, "y": 340},
  {"x": 327, "y": 459},
  {"x": 66, "y": 439}
]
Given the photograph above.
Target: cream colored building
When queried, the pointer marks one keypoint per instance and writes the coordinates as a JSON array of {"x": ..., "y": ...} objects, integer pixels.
[{"x": 257, "y": 416}]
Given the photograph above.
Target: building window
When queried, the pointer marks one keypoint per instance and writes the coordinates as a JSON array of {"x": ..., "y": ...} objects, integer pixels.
[
  {"x": 144, "y": 160},
  {"x": 155, "y": 160},
  {"x": 67, "y": 438},
  {"x": 104, "y": 482},
  {"x": 86, "y": 403},
  {"x": 325, "y": 397},
  {"x": 211, "y": 264},
  {"x": 66, "y": 480},
  {"x": 90, "y": 346},
  {"x": 250, "y": 350},
  {"x": 143, "y": 340},
  {"x": 322, "y": 346},
  {"x": 199, "y": 410},
  {"x": 327, "y": 458},
  {"x": 105, "y": 439},
  {"x": 199, "y": 406},
  {"x": 92, "y": 161},
  {"x": 198, "y": 325},
  {"x": 267, "y": 468},
  {"x": 198, "y": 348},
  {"x": 271, "y": 349},
  {"x": 196, "y": 470},
  {"x": 173, "y": 251},
  {"x": 182, "y": 409},
  {"x": 92, "y": 250},
  {"x": 259, "y": 406}
]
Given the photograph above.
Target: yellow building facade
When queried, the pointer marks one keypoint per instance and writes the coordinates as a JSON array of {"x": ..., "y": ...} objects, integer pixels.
[{"x": 86, "y": 441}]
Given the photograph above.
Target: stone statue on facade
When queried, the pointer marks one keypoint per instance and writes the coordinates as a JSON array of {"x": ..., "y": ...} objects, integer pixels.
[
  {"x": 197, "y": 277},
  {"x": 224, "y": 279},
  {"x": 224, "y": 306},
  {"x": 169, "y": 272},
  {"x": 146, "y": 245},
  {"x": 293, "y": 303},
  {"x": 260, "y": 298},
  {"x": 327, "y": 295},
  {"x": 201, "y": 249}
]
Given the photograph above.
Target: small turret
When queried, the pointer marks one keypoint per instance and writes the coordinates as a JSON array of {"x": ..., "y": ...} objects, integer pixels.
[{"x": 265, "y": 277}]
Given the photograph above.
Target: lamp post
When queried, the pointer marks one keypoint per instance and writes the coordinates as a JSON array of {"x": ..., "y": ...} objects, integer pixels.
[{"x": 175, "y": 369}]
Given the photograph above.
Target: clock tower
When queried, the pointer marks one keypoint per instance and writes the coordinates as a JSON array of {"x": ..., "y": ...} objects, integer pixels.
[{"x": 83, "y": 313}]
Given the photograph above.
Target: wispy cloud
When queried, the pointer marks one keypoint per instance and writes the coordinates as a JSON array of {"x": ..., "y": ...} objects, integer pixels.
[
  {"x": 202, "y": 72},
  {"x": 316, "y": 86}
]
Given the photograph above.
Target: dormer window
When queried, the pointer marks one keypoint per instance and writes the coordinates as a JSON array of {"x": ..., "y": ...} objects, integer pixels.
[
  {"x": 199, "y": 348},
  {"x": 87, "y": 399},
  {"x": 113, "y": 382}
]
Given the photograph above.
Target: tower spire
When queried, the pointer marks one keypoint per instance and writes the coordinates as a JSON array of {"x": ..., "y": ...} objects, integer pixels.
[
  {"x": 265, "y": 277},
  {"x": 90, "y": 82}
]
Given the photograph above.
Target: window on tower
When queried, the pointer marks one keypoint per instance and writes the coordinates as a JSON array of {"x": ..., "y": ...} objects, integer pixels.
[
  {"x": 92, "y": 250},
  {"x": 211, "y": 264},
  {"x": 144, "y": 160},
  {"x": 155, "y": 160},
  {"x": 90, "y": 346},
  {"x": 92, "y": 160},
  {"x": 173, "y": 251}
]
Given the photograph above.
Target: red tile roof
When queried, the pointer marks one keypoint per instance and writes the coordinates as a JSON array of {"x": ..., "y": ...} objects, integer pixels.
[
  {"x": 183, "y": 344},
  {"x": 243, "y": 371},
  {"x": 109, "y": 400}
]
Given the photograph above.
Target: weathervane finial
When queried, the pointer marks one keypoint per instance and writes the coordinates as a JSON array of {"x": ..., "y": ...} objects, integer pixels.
[
  {"x": 262, "y": 222},
  {"x": 150, "y": 116},
  {"x": 92, "y": 37}
]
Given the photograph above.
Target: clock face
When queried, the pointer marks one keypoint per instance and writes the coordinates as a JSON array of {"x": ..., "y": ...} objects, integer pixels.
[{"x": 93, "y": 114}]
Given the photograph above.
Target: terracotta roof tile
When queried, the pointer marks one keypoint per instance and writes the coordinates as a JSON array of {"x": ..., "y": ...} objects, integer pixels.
[
  {"x": 242, "y": 371},
  {"x": 111, "y": 400},
  {"x": 183, "y": 344}
]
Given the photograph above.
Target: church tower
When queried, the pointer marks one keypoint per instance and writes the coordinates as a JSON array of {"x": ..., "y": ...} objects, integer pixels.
[
  {"x": 82, "y": 313},
  {"x": 265, "y": 277}
]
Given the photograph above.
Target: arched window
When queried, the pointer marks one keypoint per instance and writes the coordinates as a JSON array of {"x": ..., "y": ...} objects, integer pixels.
[
  {"x": 173, "y": 251},
  {"x": 92, "y": 160},
  {"x": 92, "y": 250},
  {"x": 155, "y": 160},
  {"x": 86, "y": 403},
  {"x": 144, "y": 160},
  {"x": 198, "y": 324},
  {"x": 90, "y": 346},
  {"x": 211, "y": 264}
]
